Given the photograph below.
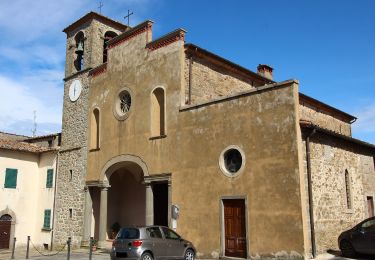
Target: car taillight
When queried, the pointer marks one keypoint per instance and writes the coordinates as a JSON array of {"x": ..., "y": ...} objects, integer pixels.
[{"x": 137, "y": 243}]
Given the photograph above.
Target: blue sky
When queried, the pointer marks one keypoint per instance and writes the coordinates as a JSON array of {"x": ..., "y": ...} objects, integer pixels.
[{"x": 329, "y": 46}]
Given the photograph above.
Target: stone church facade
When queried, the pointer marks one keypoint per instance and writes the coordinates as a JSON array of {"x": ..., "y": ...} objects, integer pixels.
[{"x": 164, "y": 132}]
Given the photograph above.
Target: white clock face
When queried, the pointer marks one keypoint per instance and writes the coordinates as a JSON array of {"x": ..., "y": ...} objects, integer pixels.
[{"x": 75, "y": 90}]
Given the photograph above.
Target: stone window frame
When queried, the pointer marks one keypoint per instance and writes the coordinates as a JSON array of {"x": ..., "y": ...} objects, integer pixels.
[
  {"x": 222, "y": 163},
  {"x": 116, "y": 113}
]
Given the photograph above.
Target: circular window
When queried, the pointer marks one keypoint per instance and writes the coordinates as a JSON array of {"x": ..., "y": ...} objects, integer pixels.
[
  {"x": 123, "y": 104},
  {"x": 232, "y": 161}
]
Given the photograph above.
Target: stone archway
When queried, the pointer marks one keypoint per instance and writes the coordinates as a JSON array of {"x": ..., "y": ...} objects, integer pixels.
[
  {"x": 7, "y": 227},
  {"x": 125, "y": 198}
]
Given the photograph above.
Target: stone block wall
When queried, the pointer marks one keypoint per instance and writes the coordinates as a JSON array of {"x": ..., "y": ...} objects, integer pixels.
[
  {"x": 324, "y": 120},
  {"x": 72, "y": 167},
  {"x": 210, "y": 82},
  {"x": 330, "y": 158}
]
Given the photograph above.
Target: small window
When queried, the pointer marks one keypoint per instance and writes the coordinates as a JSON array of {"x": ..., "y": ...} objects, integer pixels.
[
  {"x": 122, "y": 104},
  {"x": 49, "y": 181},
  {"x": 10, "y": 178},
  {"x": 47, "y": 219},
  {"x": 154, "y": 232},
  {"x": 70, "y": 213},
  {"x": 232, "y": 161},
  {"x": 348, "y": 190},
  {"x": 71, "y": 175}
]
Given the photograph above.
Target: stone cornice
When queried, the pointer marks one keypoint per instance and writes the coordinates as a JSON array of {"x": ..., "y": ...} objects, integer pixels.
[
  {"x": 76, "y": 74},
  {"x": 167, "y": 39},
  {"x": 140, "y": 28},
  {"x": 98, "y": 70}
]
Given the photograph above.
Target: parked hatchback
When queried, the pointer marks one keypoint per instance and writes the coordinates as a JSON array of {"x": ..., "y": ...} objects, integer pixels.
[
  {"x": 359, "y": 239},
  {"x": 151, "y": 242}
]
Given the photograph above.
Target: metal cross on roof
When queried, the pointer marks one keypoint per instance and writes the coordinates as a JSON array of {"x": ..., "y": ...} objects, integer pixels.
[
  {"x": 100, "y": 7},
  {"x": 128, "y": 16}
]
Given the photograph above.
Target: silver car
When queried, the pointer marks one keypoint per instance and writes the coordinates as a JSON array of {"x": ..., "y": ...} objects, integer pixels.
[{"x": 151, "y": 242}]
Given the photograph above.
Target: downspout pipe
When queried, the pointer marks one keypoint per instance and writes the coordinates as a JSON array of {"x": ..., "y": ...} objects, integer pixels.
[{"x": 309, "y": 187}]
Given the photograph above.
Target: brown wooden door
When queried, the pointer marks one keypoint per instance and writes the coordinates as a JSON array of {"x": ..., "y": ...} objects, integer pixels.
[
  {"x": 235, "y": 230},
  {"x": 4, "y": 234},
  {"x": 370, "y": 206}
]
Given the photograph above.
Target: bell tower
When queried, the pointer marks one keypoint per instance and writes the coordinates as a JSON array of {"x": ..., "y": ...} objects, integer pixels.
[
  {"x": 86, "y": 39},
  {"x": 85, "y": 50}
]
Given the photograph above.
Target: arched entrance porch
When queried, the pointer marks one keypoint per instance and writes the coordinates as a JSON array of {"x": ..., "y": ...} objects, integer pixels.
[{"x": 125, "y": 196}]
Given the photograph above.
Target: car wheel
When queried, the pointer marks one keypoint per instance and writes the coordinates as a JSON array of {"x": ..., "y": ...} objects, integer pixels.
[
  {"x": 146, "y": 256},
  {"x": 189, "y": 255},
  {"x": 347, "y": 249}
]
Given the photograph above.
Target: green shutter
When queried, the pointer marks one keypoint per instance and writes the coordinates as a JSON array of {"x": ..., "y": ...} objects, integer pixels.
[
  {"x": 47, "y": 218},
  {"x": 49, "y": 178},
  {"x": 10, "y": 178}
]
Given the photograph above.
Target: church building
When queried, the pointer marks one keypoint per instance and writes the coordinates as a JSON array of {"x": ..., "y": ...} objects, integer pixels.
[{"x": 164, "y": 132}]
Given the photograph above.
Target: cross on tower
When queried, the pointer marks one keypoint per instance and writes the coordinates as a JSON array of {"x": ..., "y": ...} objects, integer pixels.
[
  {"x": 128, "y": 16},
  {"x": 100, "y": 7}
]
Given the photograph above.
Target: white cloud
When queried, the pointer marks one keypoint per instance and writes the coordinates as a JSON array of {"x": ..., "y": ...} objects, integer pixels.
[
  {"x": 366, "y": 120},
  {"x": 19, "y": 100},
  {"x": 32, "y": 55}
]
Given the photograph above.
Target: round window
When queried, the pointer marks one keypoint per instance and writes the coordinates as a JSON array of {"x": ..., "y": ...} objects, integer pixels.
[
  {"x": 232, "y": 161},
  {"x": 123, "y": 104}
]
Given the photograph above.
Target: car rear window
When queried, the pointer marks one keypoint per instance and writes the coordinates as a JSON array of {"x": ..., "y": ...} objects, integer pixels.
[{"x": 128, "y": 233}]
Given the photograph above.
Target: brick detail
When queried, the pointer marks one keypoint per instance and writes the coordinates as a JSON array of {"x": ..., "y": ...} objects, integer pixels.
[
  {"x": 172, "y": 37},
  {"x": 98, "y": 70},
  {"x": 143, "y": 27}
]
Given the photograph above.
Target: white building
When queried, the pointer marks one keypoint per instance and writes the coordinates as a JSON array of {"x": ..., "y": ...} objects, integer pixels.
[{"x": 27, "y": 188}]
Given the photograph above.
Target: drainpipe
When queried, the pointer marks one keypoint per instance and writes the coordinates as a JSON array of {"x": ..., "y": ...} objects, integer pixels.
[
  {"x": 309, "y": 186},
  {"x": 54, "y": 199}
]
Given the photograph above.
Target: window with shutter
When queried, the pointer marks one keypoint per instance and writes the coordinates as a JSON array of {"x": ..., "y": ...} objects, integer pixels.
[
  {"x": 10, "y": 178},
  {"x": 49, "y": 178},
  {"x": 47, "y": 219}
]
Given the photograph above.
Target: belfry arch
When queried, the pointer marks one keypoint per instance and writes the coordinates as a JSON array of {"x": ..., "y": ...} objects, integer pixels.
[{"x": 125, "y": 195}]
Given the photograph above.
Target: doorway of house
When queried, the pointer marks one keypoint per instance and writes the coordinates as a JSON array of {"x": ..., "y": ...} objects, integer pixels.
[
  {"x": 235, "y": 228},
  {"x": 160, "y": 191},
  {"x": 5, "y": 225}
]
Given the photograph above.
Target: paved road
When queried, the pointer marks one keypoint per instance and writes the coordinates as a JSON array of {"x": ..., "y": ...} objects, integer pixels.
[
  {"x": 83, "y": 255},
  {"x": 75, "y": 255}
]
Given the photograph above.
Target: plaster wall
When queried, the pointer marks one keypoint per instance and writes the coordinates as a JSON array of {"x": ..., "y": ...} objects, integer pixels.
[
  {"x": 329, "y": 160},
  {"x": 324, "y": 120},
  {"x": 30, "y": 197},
  {"x": 195, "y": 137}
]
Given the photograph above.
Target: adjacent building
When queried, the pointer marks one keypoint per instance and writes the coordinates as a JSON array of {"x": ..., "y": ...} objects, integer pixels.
[
  {"x": 27, "y": 180},
  {"x": 158, "y": 131}
]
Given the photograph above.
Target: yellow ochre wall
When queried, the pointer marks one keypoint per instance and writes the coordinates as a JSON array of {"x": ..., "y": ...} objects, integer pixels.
[{"x": 261, "y": 121}]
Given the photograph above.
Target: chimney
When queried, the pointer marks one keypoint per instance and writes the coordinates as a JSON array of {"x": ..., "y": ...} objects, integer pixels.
[{"x": 265, "y": 71}]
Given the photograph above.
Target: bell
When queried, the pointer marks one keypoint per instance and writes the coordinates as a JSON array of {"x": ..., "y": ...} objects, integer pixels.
[{"x": 79, "y": 49}]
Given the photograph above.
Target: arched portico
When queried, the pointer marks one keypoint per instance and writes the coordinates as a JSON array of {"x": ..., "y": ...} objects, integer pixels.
[{"x": 123, "y": 196}]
